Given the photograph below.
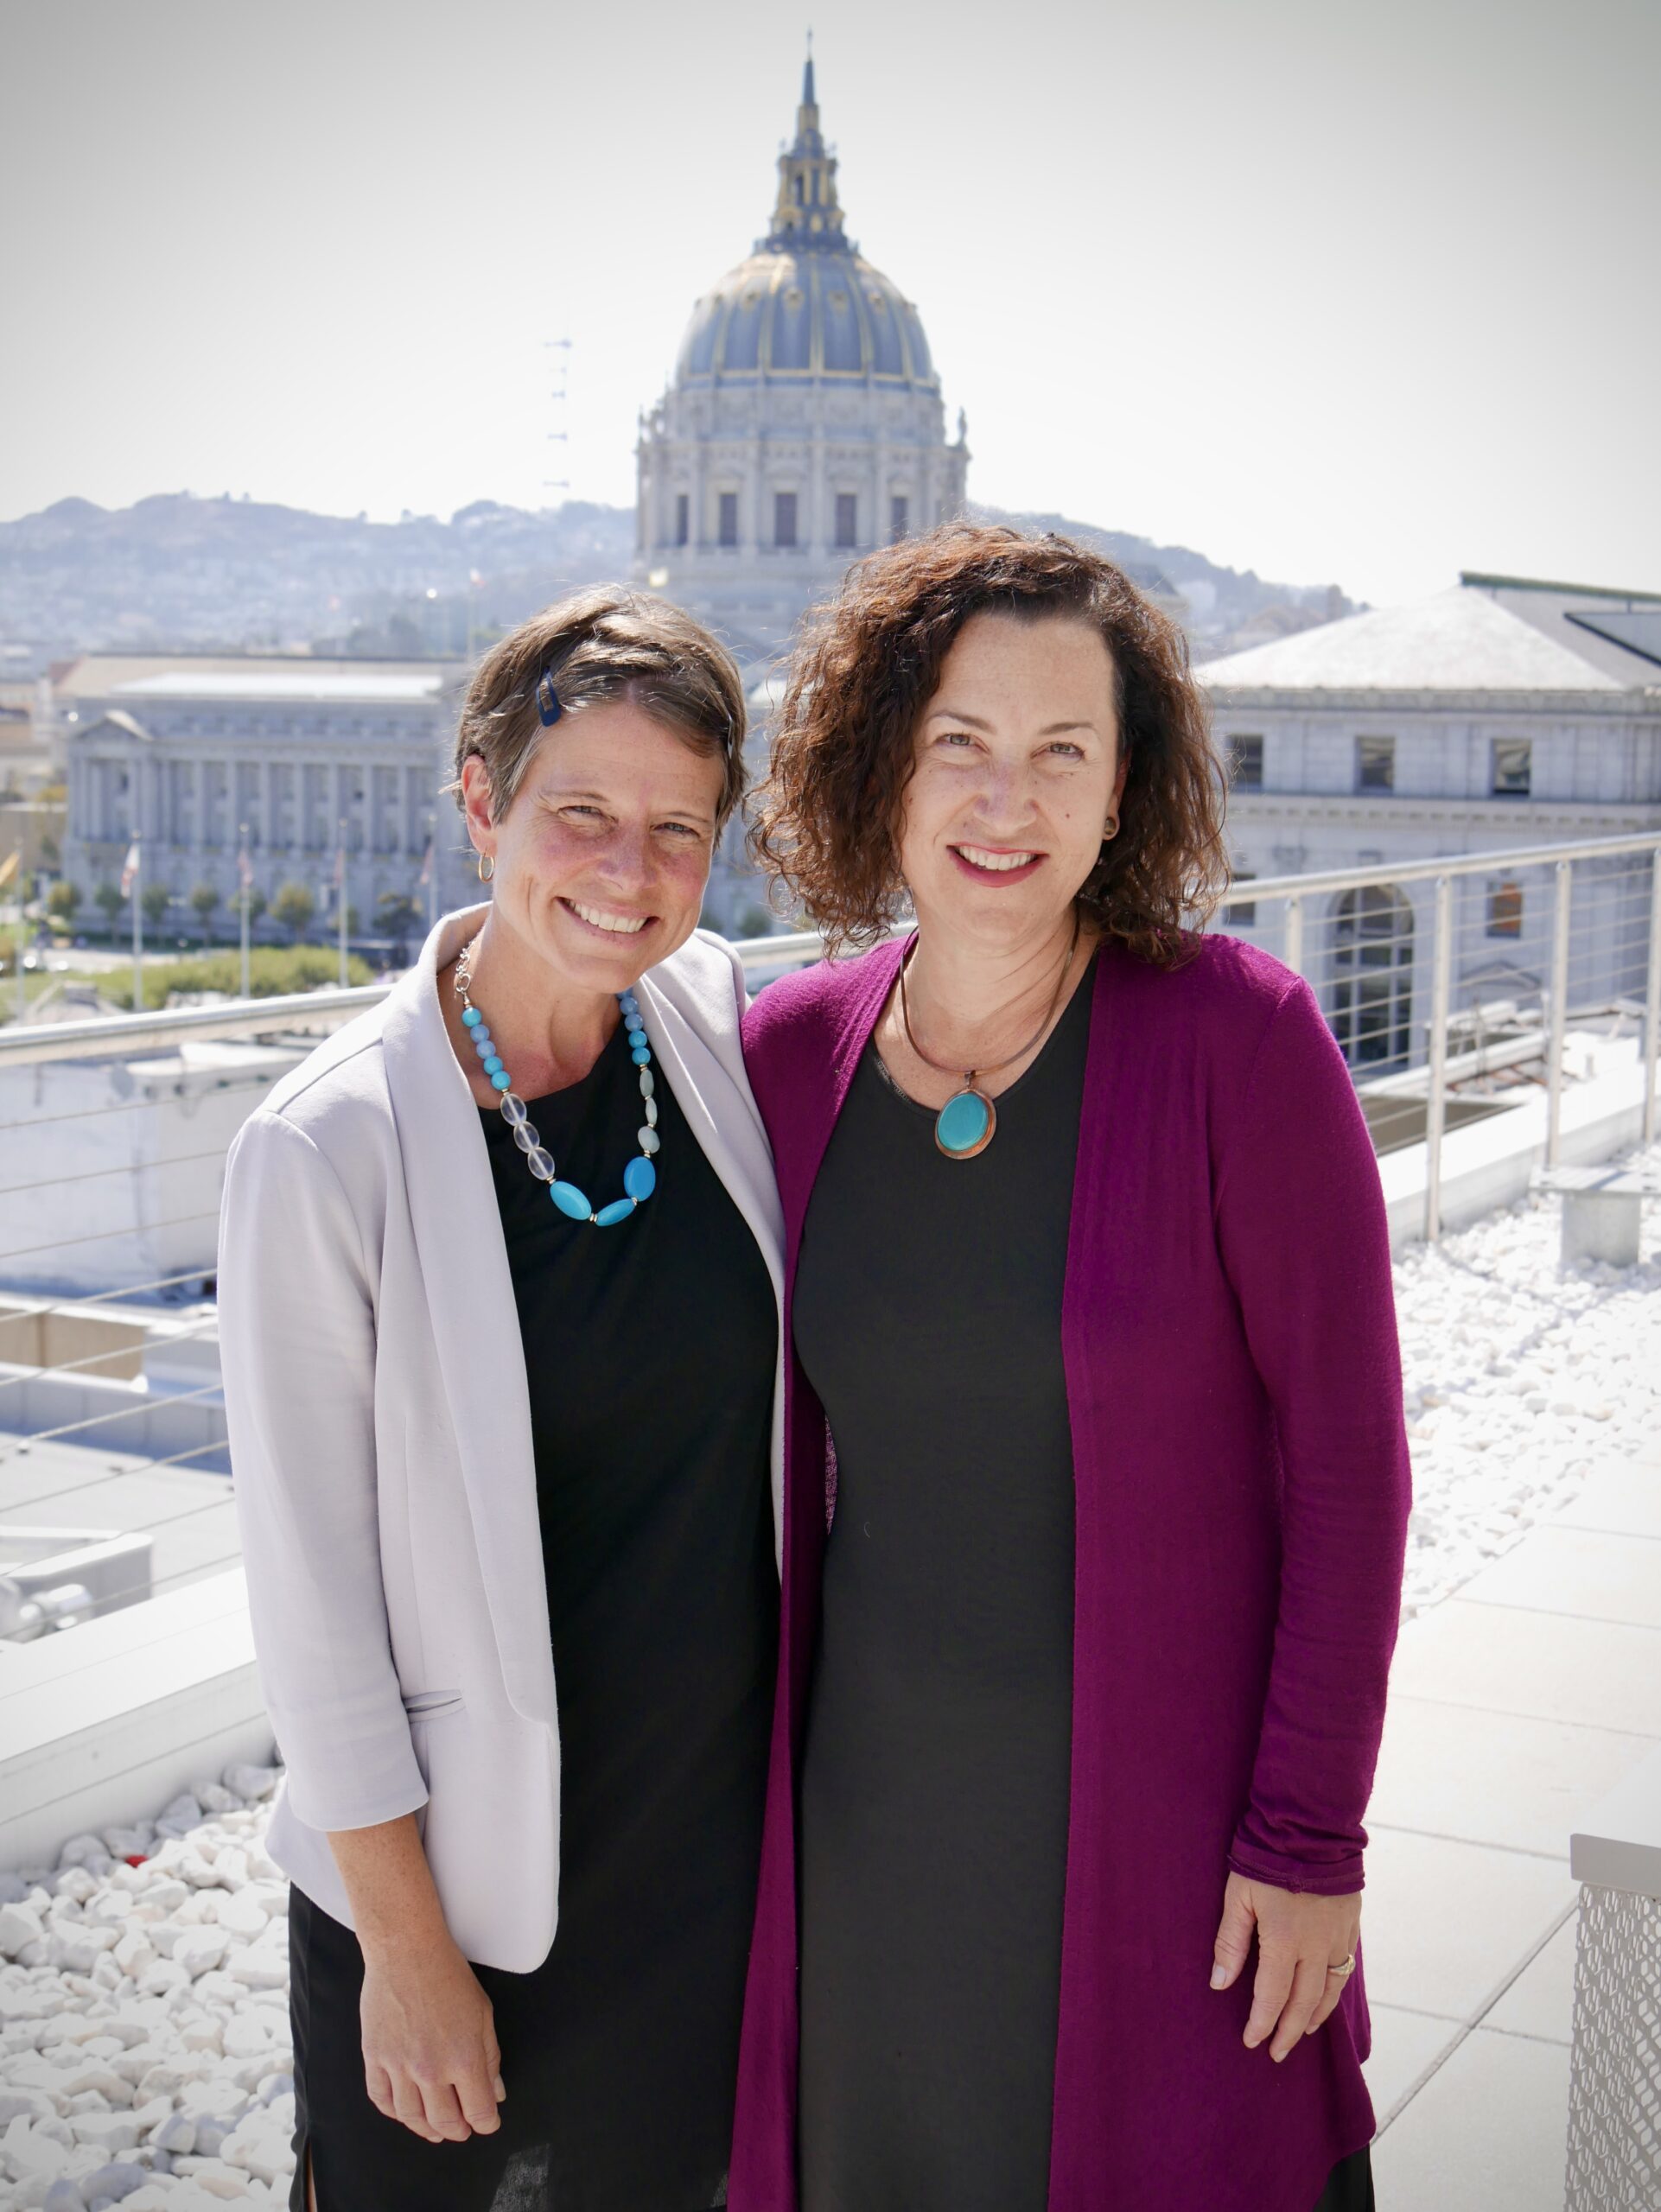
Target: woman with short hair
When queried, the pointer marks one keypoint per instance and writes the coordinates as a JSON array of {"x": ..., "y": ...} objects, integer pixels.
[
  {"x": 1093, "y": 1373},
  {"x": 499, "y": 1310}
]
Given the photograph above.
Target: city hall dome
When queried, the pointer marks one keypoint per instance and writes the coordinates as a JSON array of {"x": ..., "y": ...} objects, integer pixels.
[
  {"x": 803, "y": 422},
  {"x": 806, "y": 303}
]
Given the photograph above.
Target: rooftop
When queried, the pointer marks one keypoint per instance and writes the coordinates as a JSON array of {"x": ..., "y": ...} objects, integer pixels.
[
  {"x": 300, "y": 686},
  {"x": 1459, "y": 640}
]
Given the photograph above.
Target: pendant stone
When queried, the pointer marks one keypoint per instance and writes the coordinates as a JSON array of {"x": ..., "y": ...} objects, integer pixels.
[{"x": 965, "y": 1125}]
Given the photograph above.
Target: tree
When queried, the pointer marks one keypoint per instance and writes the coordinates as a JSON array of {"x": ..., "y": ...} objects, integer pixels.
[
  {"x": 64, "y": 897},
  {"x": 396, "y": 916},
  {"x": 294, "y": 907},
  {"x": 107, "y": 898},
  {"x": 204, "y": 901},
  {"x": 156, "y": 899},
  {"x": 256, "y": 904}
]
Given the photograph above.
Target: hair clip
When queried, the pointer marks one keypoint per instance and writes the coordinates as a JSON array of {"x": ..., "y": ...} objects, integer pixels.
[{"x": 547, "y": 706}]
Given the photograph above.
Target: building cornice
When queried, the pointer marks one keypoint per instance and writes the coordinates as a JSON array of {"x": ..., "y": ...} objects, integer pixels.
[
  {"x": 1527, "y": 821},
  {"x": 1313, "y": 699}
]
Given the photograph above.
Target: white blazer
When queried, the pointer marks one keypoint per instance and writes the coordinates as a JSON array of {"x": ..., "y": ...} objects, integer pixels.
[{"x": 380, "y": 1440}]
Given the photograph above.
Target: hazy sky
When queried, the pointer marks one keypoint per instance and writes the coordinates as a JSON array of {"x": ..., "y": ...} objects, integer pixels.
[{"x": 1363, "y": 294}]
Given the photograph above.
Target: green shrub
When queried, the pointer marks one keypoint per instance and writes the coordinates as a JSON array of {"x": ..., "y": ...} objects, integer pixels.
[{"x": 274, "y": 971}]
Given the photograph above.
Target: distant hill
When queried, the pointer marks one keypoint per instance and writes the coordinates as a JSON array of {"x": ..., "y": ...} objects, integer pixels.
[
  {"x": 175, "y": 571},
  {"x": 1226, "y": 608}
]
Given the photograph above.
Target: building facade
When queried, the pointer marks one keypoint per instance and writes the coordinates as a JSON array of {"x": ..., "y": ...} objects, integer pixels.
[
  {"x": 301, "y": 760},
  {"x": 804, "y": 425},
  {"x": 1500, "y": 715}
]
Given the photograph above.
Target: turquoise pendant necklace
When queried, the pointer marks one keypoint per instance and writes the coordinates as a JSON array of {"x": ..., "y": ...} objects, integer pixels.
[
  {"x": 639, "y": 1177},
  {"x": 968, "y": 1122}
]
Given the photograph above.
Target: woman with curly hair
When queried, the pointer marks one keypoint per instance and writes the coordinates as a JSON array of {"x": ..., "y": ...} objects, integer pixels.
[{"x": 1096, "y": 1479}]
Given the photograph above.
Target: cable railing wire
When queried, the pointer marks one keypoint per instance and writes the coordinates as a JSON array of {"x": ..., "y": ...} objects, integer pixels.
[
  {"x": 99, "y": 1420},
  {"x": 33, "y": 1371}
]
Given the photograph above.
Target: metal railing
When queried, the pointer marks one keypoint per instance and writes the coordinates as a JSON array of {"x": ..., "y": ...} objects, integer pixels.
[
  {"x": 1444, "y": 980},
  {"x": 1555, "y": 934},
  {"x": 1417, "y": 964}
]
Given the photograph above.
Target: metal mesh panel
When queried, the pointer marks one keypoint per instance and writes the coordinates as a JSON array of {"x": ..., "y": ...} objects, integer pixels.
[{"x": 1615, "y": 2107}]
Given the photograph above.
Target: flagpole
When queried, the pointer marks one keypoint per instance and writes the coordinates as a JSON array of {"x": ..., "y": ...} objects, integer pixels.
[
  {"x": 243, "y": 873},
  {"x": 340, "y": 878},
  {"x": 138, "y": 926},
  {"x": 431, "y": 866}
]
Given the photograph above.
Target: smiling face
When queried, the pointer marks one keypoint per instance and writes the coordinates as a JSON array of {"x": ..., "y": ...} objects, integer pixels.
[
  {"x": 1017, "y": 768},
  {"x": 602, "y": 858}
]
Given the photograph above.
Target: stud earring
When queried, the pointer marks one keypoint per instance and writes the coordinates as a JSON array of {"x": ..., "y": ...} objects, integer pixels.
[{"x": 486, "y": 866}]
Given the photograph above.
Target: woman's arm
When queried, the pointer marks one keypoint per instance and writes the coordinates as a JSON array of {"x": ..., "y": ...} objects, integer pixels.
[
  {"x": 1301, "y": 1227},
  {"x": 298, "y": 1350},
  {"x": 430, "y": 2057},
  {"x": 297, "y": 1343}
]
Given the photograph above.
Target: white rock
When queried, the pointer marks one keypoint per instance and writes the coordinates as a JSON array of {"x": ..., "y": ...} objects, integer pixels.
[
  {"x": 253, "y": 1783},
  {"x": 246, "y": 2037},
  {"x": 19, "y": 1924},
  {"x": 134, "y": 1953},
  {"x": 107, "y": 2131},
  {"x": 262, "y": 1966},
  {"x": 74, "y": 1856},
  {"x": 176, "y": 2135},
  {"x": 83, "y": 2074},
  {"x": 231, "y": 1865},
  {"x": 162, "y": 1978},
  {"x": 199, "y": 1950},
  {"x": 33, "y": 2104},
  {"x": 242, "y": 1915},
  {"x": 214, "y": 2175}
]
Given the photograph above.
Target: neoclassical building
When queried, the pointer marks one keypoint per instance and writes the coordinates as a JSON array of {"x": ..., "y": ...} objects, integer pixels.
[
  {"x": 1505, "y": 713},
  {"x": 310, "y": 758},
  {"x": 804, "y": 425}
]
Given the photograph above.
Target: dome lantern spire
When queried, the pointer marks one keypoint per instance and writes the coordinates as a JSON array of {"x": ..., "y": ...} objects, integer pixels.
[{"x": 807, "y": 212}]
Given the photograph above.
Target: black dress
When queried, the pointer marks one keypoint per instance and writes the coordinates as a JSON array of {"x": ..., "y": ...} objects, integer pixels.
[
  {"x": 927, "y": 1317},
  {"x": 650, "y": 1353}
]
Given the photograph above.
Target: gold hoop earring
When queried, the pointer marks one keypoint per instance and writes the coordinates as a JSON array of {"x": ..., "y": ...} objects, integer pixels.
[{"x": 486, "y": 866}]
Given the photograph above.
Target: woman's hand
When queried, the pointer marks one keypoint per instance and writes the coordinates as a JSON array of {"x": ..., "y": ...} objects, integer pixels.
[
  {"x": 430, "y": 2057},
  {"x": 1302, "y": 1944}
]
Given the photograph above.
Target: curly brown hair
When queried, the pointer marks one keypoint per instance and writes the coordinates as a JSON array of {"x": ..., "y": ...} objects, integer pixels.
[{"x": 827, "y": 819}]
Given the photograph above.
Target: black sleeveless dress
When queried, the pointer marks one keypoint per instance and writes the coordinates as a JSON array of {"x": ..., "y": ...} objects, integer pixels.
[
  {"x": 934, "y": 1796},
  {"x": 650, "y": 1352}
]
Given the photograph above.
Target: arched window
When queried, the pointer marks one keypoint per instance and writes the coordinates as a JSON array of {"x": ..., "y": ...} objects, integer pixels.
[{"x": 1373, "y": 960}]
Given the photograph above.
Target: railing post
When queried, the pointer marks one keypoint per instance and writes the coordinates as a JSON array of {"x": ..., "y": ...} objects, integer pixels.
[
  {"x": 1435, "y": 1104},
  {"x": 1559, "y": 1011},
  {"x": 1653, "y": 997},
  {"x": 1293, "y": 952}
]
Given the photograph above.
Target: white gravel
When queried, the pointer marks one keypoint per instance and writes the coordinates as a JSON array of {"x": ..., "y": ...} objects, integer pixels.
[
  {"x": 144, "y": 2056},
  {"x": 145, "y": 2053},
  {"x": 1519, "y": 1376}
]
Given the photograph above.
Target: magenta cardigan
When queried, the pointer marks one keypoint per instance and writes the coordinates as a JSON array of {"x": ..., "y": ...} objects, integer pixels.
[{"x": 1241, "y": 1471}]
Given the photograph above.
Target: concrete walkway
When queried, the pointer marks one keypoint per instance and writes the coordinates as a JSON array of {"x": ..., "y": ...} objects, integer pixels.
[{"x": 1514, "y": 1705}]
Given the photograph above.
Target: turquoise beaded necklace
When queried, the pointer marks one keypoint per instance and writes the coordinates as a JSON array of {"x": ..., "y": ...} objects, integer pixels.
[{"x": 639, "y": 1177}]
